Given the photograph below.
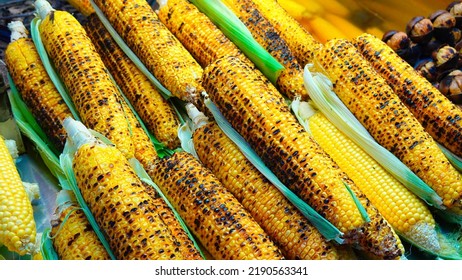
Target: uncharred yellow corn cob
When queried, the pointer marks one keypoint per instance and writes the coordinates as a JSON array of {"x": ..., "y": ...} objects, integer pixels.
[
  {"x": 83, "y": 6},
  {"x": 287, "y": 227},
  {"x": 17, "y": 224},
  {"x": 124, "y": 211},
  {"x": 437, "y": 114},
  {"x": 156, "y": 112},
  {"x": 35, "y": 86},
  {"x": 302, "y": 44},
  {"x": 387, "y": 119},
  {"x": 258, "y": 112},
  {"x": 73, "y": 237},
  {"x": 214, "y": 215},
  {"x": 290, "y": 80},
  {"x": 156, "y": 46},
  {"x": 86, "y": 77},
  {"x": 405, "y": 212},
  {"x": 203, "y": 39}
]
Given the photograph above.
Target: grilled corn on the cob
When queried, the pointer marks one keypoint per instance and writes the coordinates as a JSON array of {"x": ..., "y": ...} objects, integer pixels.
[
  {"x": 156, "y": 112},
  {"x": 215, "y": 216},
  {"x": 83, "y": 6},
  {"x": 35, "y": 86},
  {"x": 156, "y": 46},
  {"x": 17, "y": 224},
  {"x": 86, "y": 77},
  {"x": 388, "y": 120},
  {"x": 258, "y": 112},
  {"x": 439, "y": 116}
]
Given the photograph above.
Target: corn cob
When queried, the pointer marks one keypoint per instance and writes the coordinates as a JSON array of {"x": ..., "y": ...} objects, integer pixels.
[
  {"x": 83, "y": 6},
  {"x": 85, "y": 75},
  {"x": 156, "y": 46},
  {"x": 205, "y": 41},
  {"x": 388, "y": 120},
  {"x": 302, "y": 44},
  {"x": 290, "y": 80},
  {"x": 17, "y": 224},
  {"x": 405, "y": 212},
  {"x": 118, "y": 200},
  {"x": 439, "y": 116},
  {"x": 156, "y": 112},
  {"x": 286, "y": 226},
  {"x": 73, "y": 237},
  {"x": 214, "y": 215},
  {"x": 256, "y": 110},
  {"x": 35, "y": 86}
]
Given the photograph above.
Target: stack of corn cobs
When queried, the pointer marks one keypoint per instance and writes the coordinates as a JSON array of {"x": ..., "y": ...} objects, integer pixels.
[{"x": 149, "y": 169}]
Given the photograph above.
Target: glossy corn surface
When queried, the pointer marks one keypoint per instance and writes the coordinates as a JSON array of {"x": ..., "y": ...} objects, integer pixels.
[
  {"x": 258, "y": 112},
  {"x": 123, "y": 209},
  {"x": 37, "y": 89},
  {"x": 86, "y": 78},
  {"x": 441, "y": 118},
  {"x": 18, "y": 229},
  {"x": 405, "y": 212},
  {"x": 302, "y": 44},
  {"x": 290, "y": 230},
  {"x": 156, "y": 112},
  {"x": 290, "y": 80},
  {"x": 83, "y": 6},
  {"x": 200, "y": 36},
  {"x": 388, "y": 120},
  {"x": 73, "y": 237},
  {"x": 214, "y": 215},
  {"x": 156, "y": 46}
]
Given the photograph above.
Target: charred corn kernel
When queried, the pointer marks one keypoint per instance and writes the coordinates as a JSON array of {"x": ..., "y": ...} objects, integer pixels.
[
  {"x": 86, "y": 77},
  {"x": 255, "y": 109},
  {"x": 17, "y": 224},
  {"x": 200, "y": 36},
  {"x": 290, "y": 80},
  {"x": 439, "y": 116},
  {"x": 73, "y": 237},
  {"x": 388, "y": 120},
  {"x": 213, "y": 214},
  {"x": 156, "y": 112},
  {"x": 323, "y": 30},
  {"x": 300, "y": 41},
  {"x": 126, "y": 213},
  {"x": 83, "y": 6},
  {"x": 35, "y": 86},
  {"x": 405, "y": 212},
  {"x": 287, "y": 227},
  {"x": 156, "y": 46}
]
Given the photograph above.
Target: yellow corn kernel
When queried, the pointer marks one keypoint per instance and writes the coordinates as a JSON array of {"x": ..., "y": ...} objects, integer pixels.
[
  {"x": 83, "y": 6},
  {"x": 388, "y": 120},
  {"x": 17, "y": 225}
]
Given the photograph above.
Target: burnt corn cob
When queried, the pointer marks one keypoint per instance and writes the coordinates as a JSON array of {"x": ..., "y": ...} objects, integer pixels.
[
  {"x": 35, "y": 86},
  {"x": 156, "y": 112},
  {"x": 302, "y": 44},
  {"x": 73, "y": 237},
  {"x": 156, "y": 46},
  {"x": 83, "y": 6},
  {"x": 86, "y": 77},
  {"x": 123, "y": 209},
  {"x": 258, "y": 112},
  {"x": 287, "y": 227},
  {"x": 441, "y": 118},
  {"x": 213, "y": 214},
  {"x": 290, "y": 80},
  {"x": 388, "y": 120},
  {"x": 203, "y": 39}
]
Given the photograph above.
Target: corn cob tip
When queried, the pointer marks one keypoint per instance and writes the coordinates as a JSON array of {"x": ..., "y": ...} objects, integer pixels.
[
  {"x": 18, "y": 30},
  {"x": 162, "y": 3},
  {"x": 43, "y": 8},
  {"x": 12, "y": 148},
  {"x": 198, "y": 118},
  {"x": 425, "y": 235},
  {"x": 77, "y": 132}
]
